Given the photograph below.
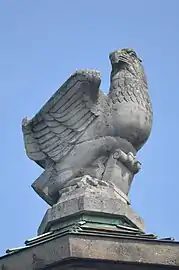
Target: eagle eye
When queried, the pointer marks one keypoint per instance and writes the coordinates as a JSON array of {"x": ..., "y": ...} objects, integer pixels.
[{"x": 132, "y": 53}]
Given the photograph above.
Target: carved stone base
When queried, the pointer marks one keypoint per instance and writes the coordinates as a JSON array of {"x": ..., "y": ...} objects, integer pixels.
[{"x": 91, "y": 199}]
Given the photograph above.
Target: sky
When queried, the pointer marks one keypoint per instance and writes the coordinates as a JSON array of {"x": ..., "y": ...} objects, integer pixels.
[{"x": 42, "y": 43}]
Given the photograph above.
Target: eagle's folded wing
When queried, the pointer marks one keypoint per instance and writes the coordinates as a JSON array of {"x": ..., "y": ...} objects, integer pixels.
[{"x": 52, "y": 133}]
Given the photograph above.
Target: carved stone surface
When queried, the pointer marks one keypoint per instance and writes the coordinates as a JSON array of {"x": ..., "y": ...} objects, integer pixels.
[
  {"x": 87, "y": 143},
  {"x": 81, "y": 131},
  {"x": 92, "y": 196}
]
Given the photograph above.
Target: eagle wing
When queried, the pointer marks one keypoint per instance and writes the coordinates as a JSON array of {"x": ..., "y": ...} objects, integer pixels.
[{"x": 53, "y": 131}]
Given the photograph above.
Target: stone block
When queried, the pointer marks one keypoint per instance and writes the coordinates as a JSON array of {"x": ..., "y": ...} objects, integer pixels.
[
  {"x": 77, "y": 251},
  {"x": 99, "y": 200}
]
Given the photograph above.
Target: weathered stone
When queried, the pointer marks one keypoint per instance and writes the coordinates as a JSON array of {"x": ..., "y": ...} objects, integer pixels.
[
  {"x": 87, "y": 144},
  {"x": 78, "y": 131},
  {"x": 77, "y": 250},
  {"x": 90, "y": 196}
]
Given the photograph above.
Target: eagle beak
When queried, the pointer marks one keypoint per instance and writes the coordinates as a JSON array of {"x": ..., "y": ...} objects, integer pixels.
[{"x": 117, "y": 57}]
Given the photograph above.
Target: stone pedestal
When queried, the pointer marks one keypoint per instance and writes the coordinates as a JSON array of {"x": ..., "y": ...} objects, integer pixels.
[
  {"x": 85, "y": 248},
  {"x": 91, "y": 200},
  {"x": 92, "y": 228}
]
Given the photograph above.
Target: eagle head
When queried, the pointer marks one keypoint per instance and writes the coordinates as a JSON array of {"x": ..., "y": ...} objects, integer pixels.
[
  {"x": 126, "y": 56},
  {"x": 127, "y": 59}
]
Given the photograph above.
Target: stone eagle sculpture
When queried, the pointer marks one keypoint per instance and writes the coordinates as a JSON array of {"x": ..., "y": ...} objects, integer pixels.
[{"x": 81, "y": 131}]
